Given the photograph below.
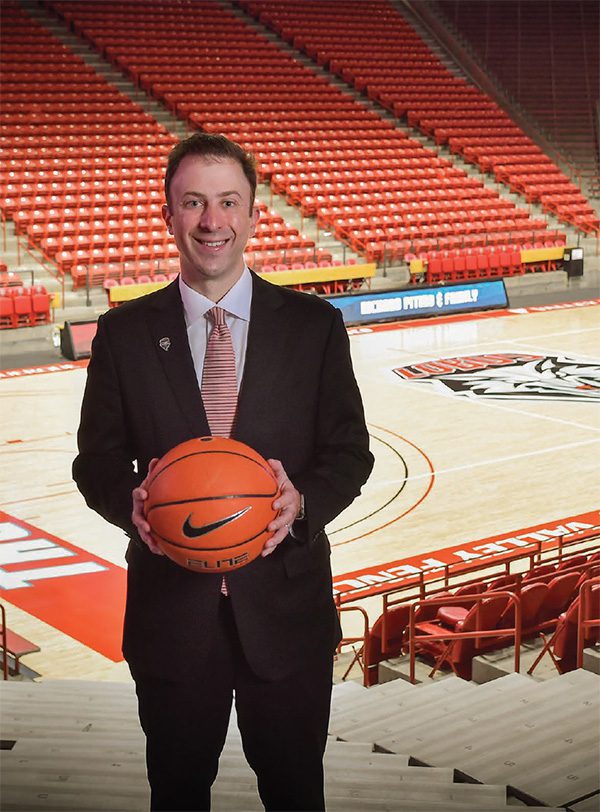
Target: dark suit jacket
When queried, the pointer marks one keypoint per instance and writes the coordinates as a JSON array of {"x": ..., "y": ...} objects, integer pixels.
[{"x": 298, "y": 403}]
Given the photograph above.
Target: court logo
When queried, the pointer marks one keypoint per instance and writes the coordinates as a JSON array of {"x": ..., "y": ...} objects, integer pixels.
[{"x": 516, "y": 376}]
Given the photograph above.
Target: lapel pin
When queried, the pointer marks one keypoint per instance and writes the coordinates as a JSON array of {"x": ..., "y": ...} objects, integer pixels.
[{"x": 165, "y": 343}]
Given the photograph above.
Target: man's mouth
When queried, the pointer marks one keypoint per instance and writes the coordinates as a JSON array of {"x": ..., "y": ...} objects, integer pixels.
[{"x": 214, "y": 244}]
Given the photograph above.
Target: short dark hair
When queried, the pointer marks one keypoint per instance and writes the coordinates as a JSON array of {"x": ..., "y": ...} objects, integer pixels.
[{"x": 211, "y": 145}]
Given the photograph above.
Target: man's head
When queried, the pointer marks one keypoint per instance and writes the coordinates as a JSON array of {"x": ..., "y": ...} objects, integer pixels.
[
  {"x": 210, "y": 184},
  {"x": 215, "y": 146}
]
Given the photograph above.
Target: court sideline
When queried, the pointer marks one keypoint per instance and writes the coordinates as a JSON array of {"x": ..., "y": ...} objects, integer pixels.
[{"x": 480, "y": 426}]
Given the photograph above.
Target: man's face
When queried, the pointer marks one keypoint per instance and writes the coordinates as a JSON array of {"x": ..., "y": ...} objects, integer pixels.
[{"x": 210, "y": 217}]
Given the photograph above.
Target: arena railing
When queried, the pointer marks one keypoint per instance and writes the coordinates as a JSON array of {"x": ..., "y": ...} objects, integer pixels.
[
  {"x": 421, "y": 586},
  {"x": 587, "y": 619}
]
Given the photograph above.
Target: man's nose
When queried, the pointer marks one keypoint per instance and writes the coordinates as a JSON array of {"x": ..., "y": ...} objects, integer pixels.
[{"x": 211, "y": 217}]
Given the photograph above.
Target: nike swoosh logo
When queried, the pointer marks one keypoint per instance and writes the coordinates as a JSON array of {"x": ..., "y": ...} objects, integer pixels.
[{"x": 192, "y": 532}]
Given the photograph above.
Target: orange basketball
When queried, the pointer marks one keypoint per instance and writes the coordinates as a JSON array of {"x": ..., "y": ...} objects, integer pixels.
[{"x": 209, "y": 503}]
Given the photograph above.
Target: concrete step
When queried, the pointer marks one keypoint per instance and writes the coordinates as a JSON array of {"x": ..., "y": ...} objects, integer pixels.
[
  {"x": 539, "y": 740},
  {"x": 408, "y": 718},
  {"x": 412, "y": 736},
  {"x": 490, "y": 704},
  {"x": 393, "y": 713},
  {"x": 342, "y": 710}
]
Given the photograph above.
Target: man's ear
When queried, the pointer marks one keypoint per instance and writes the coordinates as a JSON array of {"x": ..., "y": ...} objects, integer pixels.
[
  {"x": 255, "y": 218},
  {"x": 166, "y": 214}
]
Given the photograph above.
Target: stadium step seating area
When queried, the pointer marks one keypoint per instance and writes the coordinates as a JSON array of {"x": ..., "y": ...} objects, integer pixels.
[
  {"x": 77, "y": 745},
  {"x": 546, "y": 55},
  {"x": 431, "y": 626},
  {"x": 321, "y": 150},
  {"x": 404, "y": 76},
  {"x": 539, "y": 738},
  {"x": 84, "y": 170}
]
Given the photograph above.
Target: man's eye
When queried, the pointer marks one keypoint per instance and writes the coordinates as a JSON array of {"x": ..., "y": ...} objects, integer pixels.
[
  {"x": 229, "y": 203},
  {"x": 191, "y": 204}
]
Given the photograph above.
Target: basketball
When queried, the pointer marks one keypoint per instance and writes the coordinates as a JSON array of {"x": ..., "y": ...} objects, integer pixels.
[{"x": 209, "y": 503}]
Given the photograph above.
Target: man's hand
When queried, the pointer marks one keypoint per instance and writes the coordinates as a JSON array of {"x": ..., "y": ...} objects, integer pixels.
[
  {"x": 288, "y": 505},
  {"x": 139, "y": 496}
]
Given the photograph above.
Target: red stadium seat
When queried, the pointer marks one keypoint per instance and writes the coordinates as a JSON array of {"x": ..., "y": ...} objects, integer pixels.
[{"x": 7, "y": 312}]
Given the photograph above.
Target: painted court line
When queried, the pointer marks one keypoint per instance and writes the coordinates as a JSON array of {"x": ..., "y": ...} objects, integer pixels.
[{"x": 509, "y": 458}]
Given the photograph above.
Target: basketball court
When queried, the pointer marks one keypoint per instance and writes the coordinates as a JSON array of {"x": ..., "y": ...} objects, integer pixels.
[{"x": 482, "y": 426}]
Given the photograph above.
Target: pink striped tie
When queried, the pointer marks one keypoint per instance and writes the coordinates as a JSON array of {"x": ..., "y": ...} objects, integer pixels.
[{"x": 219, "y": 384}]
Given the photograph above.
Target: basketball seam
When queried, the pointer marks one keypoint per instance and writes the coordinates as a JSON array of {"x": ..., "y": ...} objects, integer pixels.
[
  {"x": 210, "y": 451},
  {"x": 209, "y": 549},
  {"x": 212, "y": 499}
]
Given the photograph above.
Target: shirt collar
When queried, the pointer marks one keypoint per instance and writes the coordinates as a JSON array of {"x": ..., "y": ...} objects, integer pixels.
[{"x": 236, "y": 301}]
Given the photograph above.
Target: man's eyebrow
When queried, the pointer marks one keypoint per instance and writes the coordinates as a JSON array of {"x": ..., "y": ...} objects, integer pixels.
[{"x": 221, "y": 194}]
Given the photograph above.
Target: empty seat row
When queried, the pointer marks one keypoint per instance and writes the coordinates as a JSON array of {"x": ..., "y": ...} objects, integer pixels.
[
  {"x": 425, "y": 91},
  {"x": 24, "y": 308}
]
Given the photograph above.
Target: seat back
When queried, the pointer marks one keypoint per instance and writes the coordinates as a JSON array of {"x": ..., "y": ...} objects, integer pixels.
[
  {"x": 397, "y": 618},
  {"x": 532, "y": 597},
  {"x": 428, "y": 612},
  {"x": 570, "y": 563},
  {"x": 504, "y": 582},
  {"x": 483, "y": 616},
  {"x": 536, "y": 572},
  {"x": 560, "y": 592}
]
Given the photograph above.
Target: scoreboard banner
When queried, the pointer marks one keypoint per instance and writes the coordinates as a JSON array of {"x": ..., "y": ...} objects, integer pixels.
[{"x": 366, "y": 308}]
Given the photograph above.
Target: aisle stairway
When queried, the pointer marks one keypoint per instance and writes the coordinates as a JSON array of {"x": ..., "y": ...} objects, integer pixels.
[
  {"x": 74, "y": 745},
  {"x": 541, "y": 739}
]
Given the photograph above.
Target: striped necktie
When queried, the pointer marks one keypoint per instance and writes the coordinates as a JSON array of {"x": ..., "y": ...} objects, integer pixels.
[{"x": 219, "y": 383}]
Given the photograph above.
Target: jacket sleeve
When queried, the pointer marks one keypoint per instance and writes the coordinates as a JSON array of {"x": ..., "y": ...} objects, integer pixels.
[
  {"x": 104, "y": 468},
  {"x": 342, "y": 461}
]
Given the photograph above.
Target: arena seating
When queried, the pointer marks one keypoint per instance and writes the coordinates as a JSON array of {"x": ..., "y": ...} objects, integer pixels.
[
  {"x": 323, "y": 151},
  {"x": 546, "y": 55},
  {"x": 544, "y": 593},
  {"x": 92, "y": 209},
  {"x": 12, "y": 645},
  {"x": 24, "y": 306},
  {"x": 403, "y": 75},
  {"x": 83, "y": 176},
  {"x": 562, "y": 645}
]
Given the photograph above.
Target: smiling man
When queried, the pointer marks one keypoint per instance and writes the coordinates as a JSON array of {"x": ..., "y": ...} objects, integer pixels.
[
  {"x": 265, "y": 635},
  {"x": 211, "y": 213}
]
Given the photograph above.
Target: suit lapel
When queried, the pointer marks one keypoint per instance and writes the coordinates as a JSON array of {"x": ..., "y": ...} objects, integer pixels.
[
  {"x": 170, "y": 342},
  {"x": 264, "y": 355}
]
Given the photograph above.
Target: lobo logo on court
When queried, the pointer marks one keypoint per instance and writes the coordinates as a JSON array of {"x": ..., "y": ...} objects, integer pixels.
[{"x": 510, "y": 375}]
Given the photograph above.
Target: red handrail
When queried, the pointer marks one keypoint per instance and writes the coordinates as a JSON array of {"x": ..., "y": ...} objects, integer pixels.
[
  {"x": 364, "y": 639},
  {"x": 585, "y": 620},
  {"x": 449, "y": 601},
  {"x": 448, "y": 572},
  {"x": 4, "y": 643}
]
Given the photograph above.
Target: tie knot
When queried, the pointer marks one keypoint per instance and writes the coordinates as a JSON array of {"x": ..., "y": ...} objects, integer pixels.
[{"x": 217, "y": 316}]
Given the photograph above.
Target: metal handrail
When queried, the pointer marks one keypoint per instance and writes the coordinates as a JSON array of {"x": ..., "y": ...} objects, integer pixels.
[
  {"x": 346, "y": 641},
  {"x": 450, "y": 571},
  {"x": 4, "y": 643},
  {"x": 448, "y": 601},
  {"x": 585, "y": 622}
]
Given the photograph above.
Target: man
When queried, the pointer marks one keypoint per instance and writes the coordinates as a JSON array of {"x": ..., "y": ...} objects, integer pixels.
[{"x": 268, "y": 632}]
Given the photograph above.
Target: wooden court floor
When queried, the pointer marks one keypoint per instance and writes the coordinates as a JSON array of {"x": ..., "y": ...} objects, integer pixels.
[{"x": 479, "y": 426}]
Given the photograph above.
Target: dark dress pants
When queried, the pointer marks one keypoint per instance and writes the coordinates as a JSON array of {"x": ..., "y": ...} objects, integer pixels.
[{"x": 283, "y": 724}]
